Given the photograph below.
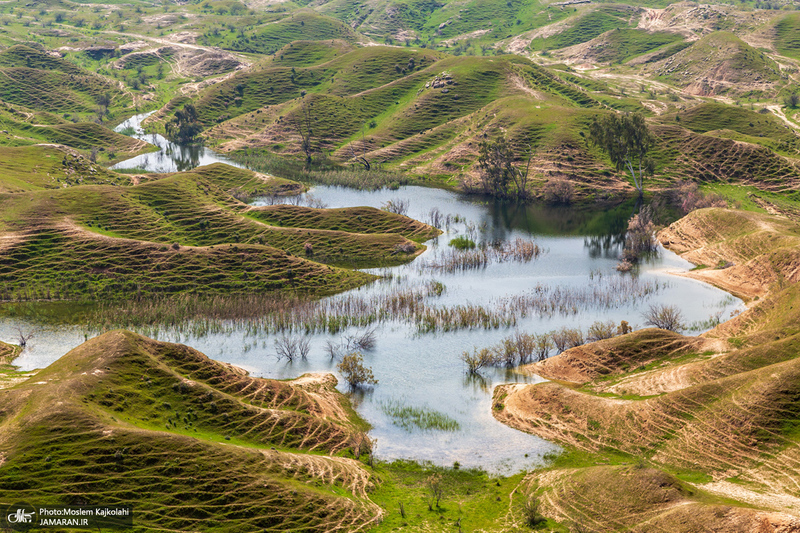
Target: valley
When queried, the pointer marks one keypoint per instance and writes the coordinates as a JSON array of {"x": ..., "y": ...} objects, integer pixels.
[{"x": 369, "y": 265}]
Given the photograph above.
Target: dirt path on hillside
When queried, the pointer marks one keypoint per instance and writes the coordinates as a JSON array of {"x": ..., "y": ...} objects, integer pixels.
[
  {"x": 778, "y": 112},
  {"x": 320, "y": 387},
  {"x": 778, "y": 502}
]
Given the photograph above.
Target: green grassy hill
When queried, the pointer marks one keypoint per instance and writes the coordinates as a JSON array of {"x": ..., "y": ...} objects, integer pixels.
[
  {"x": 621, "y": 45},
  {"x": 310, "y": 53},
  {"x": 720, "y": 63},
  {"x": 589, "y": 25},
  {"x": 187, "y": 233},
  {"x": 220, "y": 451},
  {"x": 21, "y": 126},
  {"x": 741, "y": 124},
  {"x": 682, "y": 154},
  {"x": 787, "y": 35},
  {"x": 271, "y": 37},
  {"x": 29, "y": 168},
  {"x": 35, "y": 79}
]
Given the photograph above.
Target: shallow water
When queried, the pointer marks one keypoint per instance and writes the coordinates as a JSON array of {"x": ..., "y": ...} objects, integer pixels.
[
  {"x": 171, "y": 157},
  {"x": 424, "y": 370}
]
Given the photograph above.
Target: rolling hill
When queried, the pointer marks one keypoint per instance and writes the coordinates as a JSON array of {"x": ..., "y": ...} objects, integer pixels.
[
  {"x": 187, "y": 233},
  {"x": 220, "y": 451},
  {"x": 33, "y": 78},
  {"x": 720, "y": 63},
  {"x": 719, "y": 410}
]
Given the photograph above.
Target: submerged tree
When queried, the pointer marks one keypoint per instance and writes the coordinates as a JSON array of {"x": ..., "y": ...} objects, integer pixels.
[
  {"x": 627, "y": 140},
  {"x": 184, "y": 127},
  {"x": 354, "y": 372}
]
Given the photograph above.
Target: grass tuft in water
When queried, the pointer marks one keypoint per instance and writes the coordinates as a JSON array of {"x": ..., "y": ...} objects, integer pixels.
[
  {"x": 462, "y": 243},
  {"x": 410, "y": 418}
]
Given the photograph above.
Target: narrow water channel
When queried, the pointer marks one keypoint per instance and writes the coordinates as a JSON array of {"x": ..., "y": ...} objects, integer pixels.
[{"x": 424, "y": 370}]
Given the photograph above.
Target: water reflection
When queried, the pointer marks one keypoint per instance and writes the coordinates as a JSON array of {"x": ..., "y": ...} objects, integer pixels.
[
  {"x": 606, "y": 246},
  {"x": 171, "y": 157},
  {"x": 427, "y": 369}
]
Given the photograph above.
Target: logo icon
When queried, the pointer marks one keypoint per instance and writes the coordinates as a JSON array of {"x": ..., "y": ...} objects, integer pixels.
[{"x": 19, "y": 517}]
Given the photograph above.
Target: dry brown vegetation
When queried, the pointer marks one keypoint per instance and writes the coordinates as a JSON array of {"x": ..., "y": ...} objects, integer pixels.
[
  {"x": 7, "y": 352},
  {"x": 721, "y": 408}
]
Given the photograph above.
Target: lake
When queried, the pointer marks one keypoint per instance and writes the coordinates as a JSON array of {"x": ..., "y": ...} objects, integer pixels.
[{"x": 424, "y": 370}]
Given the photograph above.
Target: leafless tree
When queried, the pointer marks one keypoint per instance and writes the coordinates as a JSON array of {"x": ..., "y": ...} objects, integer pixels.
[
  {"x": 291, "y": 348},
  {"x": 361, "y": 158},
  {"x": 399, "y": 207},
  {"x": 361, "y": 341},
  {"x": 665, "y": 317},
  {"x": 22, "y": 338}
]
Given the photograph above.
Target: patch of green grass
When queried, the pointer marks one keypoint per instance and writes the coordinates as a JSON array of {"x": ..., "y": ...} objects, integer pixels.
[
  {"x": 424, "y": 418},
  {"x": 668, "y": 51},
  {"x": 310, "y": 53},
  {"x": 787, "y": 35},
  {"x": 623, "y": 44},
  {"x": 743, "y": 197},
  {"x": 694, "y": 477},
  {"x": 739, "y": 123},
  {"x": 462, "y": 243},
  {"x": 577, "y": 458},
  {"x": 29, "y": 168},
  {"x": 471, "y": 499}
]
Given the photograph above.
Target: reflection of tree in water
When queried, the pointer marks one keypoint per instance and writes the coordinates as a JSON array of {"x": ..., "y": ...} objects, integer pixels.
[
  {"x": 543, "y": 219},
  {"x": 359, "y": 395},
  {"x": 478, "y": 383},
  {"x": 605, "y": 246},
  {"x": 188, "y": 157}
]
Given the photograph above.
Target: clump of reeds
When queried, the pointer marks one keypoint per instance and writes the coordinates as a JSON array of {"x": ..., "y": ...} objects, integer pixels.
[
  {"x": 522, "y": 348},
  {"x": 465, "y": 255},
  {"x": 462, "y": 243}
]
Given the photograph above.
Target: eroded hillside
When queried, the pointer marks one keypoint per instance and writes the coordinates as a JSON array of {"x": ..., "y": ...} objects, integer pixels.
[{"x": 709, "y": 415}]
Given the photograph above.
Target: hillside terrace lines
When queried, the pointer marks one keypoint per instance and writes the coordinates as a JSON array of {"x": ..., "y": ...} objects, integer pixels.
[
  {"x": 728, "y": 413},
  {"x": 102, "y": 451}
]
